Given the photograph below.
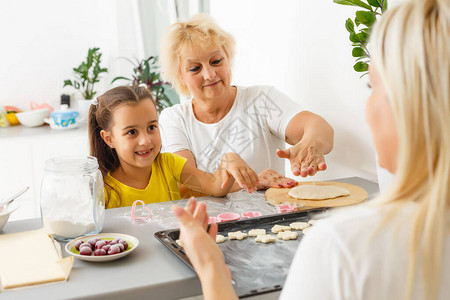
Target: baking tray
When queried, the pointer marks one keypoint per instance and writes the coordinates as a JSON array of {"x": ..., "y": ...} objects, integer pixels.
[{"x": 256, "y": 268}]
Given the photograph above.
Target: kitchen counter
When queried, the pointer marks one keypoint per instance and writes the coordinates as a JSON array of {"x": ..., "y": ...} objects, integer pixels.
[
  {"x": 23, "y": 131},
  {"x": 23, "y": 152},
  {"x": 151, "y": 271}
]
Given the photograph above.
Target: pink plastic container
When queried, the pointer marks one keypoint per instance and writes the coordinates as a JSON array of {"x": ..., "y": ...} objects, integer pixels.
[
  {"x": 223, "y": 217},
  {"x": 250, "y": 214}
]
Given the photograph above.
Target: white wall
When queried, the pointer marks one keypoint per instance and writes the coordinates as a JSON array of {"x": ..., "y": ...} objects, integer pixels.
[
  {"x": 302, "y": 48},
  {"x": 43, "y": 40}
]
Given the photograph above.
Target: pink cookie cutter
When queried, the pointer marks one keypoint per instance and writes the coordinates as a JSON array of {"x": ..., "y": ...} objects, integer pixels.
[
  {"x": 223, "y": 217},
  {"x": 144, "y": 208},
  {"x": 250, "y": 214},
  {"x": 284, "y": 208}
]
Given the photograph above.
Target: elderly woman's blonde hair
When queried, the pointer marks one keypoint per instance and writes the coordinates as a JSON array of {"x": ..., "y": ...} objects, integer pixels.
[
  {"x": 199, "y": 32},
  {"x": 411, "y": 53}
]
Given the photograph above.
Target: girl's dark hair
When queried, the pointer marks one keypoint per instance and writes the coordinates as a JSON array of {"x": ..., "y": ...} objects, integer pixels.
[{"x": 100, "y": 118}]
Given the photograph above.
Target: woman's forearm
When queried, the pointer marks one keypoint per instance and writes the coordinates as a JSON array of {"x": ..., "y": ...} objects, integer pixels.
[
  {"x": 216, "y": 283},
  {"x": 309, "y": 126}
]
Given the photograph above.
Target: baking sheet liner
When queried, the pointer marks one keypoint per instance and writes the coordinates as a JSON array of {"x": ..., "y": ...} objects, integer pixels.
[{"x": 256, "y": 268}]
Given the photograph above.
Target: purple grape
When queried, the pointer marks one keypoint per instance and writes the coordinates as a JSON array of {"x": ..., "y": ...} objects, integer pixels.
[
  {"x": 93, "y": 241},
  {"x": 124, "y": 243},
  {"x": 99, "y": 252},
  {"x": 86, "y": 245},
  {"x": 77, "y": 244},
  {"x": 114, "y": 250},
  {"x": 121, "y": 246},
  {"x": 100, "y": 244},
  {"x": 86, "y": 251}
]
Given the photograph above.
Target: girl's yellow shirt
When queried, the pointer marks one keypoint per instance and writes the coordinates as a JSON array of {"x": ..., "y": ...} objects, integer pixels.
[{"x": 162, "y": 186}]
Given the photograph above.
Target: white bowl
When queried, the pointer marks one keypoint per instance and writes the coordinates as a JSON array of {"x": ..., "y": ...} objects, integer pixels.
[
  {"x": 33, "y": 118},
  {"x": 5, "y": 212}
]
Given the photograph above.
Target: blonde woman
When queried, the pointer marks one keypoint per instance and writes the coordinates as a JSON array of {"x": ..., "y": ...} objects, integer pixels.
[
  {"x": 398, "y": 246},
  {"x": 253, "y": 122}
]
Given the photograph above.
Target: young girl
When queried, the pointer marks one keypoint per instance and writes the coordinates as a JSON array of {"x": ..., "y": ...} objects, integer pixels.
[{"x": 125, "y": 138}]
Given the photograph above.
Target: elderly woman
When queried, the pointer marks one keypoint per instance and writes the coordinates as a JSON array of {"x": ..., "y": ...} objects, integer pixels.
[
  {"x": 397, "y": 246},
  {"x": 254, "y": 122}
]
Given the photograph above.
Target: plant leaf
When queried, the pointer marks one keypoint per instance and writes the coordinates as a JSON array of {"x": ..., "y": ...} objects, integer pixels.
[
  {"x": 358, "y": 51},
  {"x": 67, "y": 82},
  {"x": 385, "y": 6},
  {"x": 361, "y": 66},
  {"x": 354, "y": 38},
  {"x": 365, "y": 17},
  {"x": 363, "y": 37},
  {"x": 354, "y": 3},
  {"x": 374, "y": 3},
  {"x": 349, "y": 25}
]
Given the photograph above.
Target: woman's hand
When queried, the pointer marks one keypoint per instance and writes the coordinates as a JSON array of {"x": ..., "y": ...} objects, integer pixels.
[
  {"x": 272, "y": 179},
  {"x": 232, "y": 165},
  {"x": 306, "y": 157},
  {"x": 201, "y": 248},
  {"x": 312, "y": 137}
]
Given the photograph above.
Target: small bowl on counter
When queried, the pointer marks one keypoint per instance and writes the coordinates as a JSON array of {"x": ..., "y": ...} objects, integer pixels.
[
  {"x": 6, "y": 211},
  {"x": 33, "y": 118}
]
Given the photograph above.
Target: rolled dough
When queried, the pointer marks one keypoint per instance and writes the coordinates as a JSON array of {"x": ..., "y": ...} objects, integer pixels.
[{"x": 317, "y": 192}]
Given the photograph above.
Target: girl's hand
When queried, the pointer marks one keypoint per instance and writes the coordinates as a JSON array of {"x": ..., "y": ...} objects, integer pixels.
[
  {"x": 306, "y": 157},
  {"x": 233, "y": 165},
  {"x": 201, "y": 248},
  {"x": 272, "y": 179}
]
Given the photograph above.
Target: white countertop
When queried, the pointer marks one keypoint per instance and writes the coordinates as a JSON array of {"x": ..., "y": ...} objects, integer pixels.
[
  {"x": 151, "y": 272},
  {"x": 23, "y": 131}
]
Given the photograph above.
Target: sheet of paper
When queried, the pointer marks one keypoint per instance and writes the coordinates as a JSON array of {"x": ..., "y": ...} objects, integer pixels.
[{"x": 31, "y": 257}]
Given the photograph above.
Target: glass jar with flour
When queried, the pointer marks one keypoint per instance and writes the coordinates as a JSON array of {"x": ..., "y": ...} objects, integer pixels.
[{"x": 72, "y": 197}]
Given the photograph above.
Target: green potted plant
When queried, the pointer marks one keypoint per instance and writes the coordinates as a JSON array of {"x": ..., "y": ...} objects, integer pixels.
[
  {"x": 365, "y": 17},
  {"x": 87, "y": 74},
  {"x": 147, "y": 71}
]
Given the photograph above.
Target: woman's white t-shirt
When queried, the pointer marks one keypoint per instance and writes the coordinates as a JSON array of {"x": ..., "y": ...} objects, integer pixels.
[
  {"x": 254, "y": 128},
  {"x": 348, "y": 256}
]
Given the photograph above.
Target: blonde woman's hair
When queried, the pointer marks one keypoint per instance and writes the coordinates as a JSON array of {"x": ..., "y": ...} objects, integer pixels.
[
  {"x": 410, "y": 50},
  {"x": 199, "y": 32}
]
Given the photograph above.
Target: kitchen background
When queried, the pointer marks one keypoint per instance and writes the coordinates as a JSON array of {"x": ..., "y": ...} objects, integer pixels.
[{"x": 300, "y": 47}]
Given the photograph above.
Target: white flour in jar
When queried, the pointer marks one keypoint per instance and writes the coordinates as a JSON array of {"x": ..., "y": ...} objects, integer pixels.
[{"x": 68, "y": 229}]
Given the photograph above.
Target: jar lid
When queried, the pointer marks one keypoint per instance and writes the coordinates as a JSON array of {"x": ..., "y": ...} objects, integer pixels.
[
  {"x": 64, "y": 113},
  {"x": 72, "y": 164}
]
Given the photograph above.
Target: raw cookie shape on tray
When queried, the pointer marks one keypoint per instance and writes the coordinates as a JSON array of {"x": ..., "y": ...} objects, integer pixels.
[
  {"x": 299, "y": 225},
  {"x": 266, "y": 238},
  {"x": 279, "y": 228},
  {"x": 220, "y": 238},
  {"x": 237, "y": 235},
  {"x": 287, "y": 235},
  {"x": 256, "y": 232}
]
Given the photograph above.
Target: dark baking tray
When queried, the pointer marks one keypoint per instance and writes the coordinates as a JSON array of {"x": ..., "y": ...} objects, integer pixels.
[{"x": 255, "y": 268}]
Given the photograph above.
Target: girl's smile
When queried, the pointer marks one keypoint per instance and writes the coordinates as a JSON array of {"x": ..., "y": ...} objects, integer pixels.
[{"x": 135, "y": 136}]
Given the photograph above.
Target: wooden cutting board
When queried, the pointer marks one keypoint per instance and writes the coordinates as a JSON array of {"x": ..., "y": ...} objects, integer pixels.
[{"x": 276, "y": 196}]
